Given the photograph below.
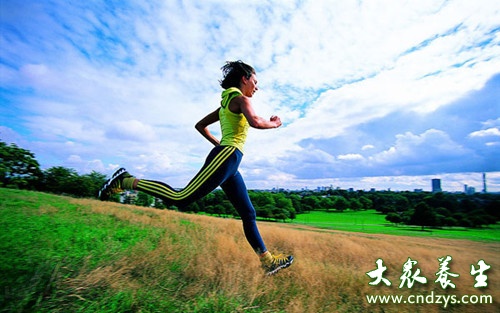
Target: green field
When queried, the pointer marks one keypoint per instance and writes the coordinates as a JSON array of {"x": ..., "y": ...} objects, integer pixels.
[
  {"x": 374, "y": 222},
  {"x": 45, "y": 239},
  {"x": 60, "y": 254}
]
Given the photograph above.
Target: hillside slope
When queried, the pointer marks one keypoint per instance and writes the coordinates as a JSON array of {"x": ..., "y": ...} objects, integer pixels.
[{"x": 62, "y": 254}]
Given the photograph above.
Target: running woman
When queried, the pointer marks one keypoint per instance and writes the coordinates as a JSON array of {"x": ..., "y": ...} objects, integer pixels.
[{"x": 235, "y": 115}]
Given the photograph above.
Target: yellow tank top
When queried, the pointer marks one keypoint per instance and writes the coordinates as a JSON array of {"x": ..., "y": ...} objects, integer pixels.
[{"x": 234, "y": 127}]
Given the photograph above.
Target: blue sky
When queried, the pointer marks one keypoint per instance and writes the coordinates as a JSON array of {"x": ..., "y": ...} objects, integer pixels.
[{"x": 373, "y": 94}]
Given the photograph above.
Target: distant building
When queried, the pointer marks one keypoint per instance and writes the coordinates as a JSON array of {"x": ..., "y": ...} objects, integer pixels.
[
  {"x": 469, "y": 190},
  {"x": 436, "y": 185},
  {"x": 485, "y": 190}
]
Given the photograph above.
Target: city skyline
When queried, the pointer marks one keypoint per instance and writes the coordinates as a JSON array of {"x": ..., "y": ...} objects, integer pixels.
[{"x": 477, "y": 187}]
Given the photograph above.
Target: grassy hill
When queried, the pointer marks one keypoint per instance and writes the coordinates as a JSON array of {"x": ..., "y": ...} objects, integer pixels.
[{"x": 60, "y": 254}]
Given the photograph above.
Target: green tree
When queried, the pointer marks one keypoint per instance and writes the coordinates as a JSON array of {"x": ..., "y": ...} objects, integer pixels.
[
  {"x": 340, "y": 203},
  {"x": 284, "y": 207},
  {"x": 263, "y": 203},
  {"x": 355, "y": 204},
  {"x": 493, "y": 209},
  {"x": 192, "y": 207},
  {"x": 59, "y": 179},
  {"x": 366, "y": 203},
  {"x": 424, "y": 215},
  {"x": 393, "y": 218},
  {"x": 230, "y": 209},
  {"x": 261, "y": 199},
  {"x": 440, "y": 199},
  {"x": 18, "y": 167},
  {"x": 265, "y": 211},
  {"x": 296, "y": 203},
  {"x": 326, "y": 203},
  {"x": 280, "y": 214},
  {"x": 87, "y": 185},
  {"x": 93, "y": 183},
  {"x": 391, "y": 202},
  {"x": 143, "y": 199},
  {"x": 310, "y": 203},
  {"x": 219, "y": 209}
]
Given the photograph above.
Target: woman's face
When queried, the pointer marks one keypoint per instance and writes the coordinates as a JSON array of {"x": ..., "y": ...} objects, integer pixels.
[{"x": 249, "y": 85}]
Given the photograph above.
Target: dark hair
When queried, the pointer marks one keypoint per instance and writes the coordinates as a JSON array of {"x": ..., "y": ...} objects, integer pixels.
[{"x": 233, "y": 71}]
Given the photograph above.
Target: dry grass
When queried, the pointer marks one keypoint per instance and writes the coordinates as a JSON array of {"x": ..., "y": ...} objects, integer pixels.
[{"x": 202, "y": 256}]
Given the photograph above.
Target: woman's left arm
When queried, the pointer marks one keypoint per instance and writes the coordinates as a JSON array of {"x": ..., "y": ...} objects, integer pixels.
[{"x": 202, "y": 126}]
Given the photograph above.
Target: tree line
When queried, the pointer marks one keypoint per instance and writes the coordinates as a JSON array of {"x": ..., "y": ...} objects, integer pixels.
[{"x": 20, "y": 169}]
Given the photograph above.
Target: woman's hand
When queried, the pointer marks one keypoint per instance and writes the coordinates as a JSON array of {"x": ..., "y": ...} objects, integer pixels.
[{"x": 276, "y": 120}]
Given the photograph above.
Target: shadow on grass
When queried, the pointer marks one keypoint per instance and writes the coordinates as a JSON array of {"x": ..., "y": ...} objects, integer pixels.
[{"x": 409, "y": 228}]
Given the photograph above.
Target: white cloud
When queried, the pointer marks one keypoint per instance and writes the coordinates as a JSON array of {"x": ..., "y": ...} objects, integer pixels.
[
  {"x": 8, "y": 135},
  {"x": 485, "y": 133},
  {"x": 34, "y": 71},
  {"x": 350, "y": 157},
  {"x": 492, "y": 123},
  {"x": 431, "y": 146},
  {"x": 493, "y": 144},
  {"x": 131, "y": 130}
]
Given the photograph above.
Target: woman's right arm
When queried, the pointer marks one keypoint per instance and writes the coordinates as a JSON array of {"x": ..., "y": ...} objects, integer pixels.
[{"x": 253, "y": 119}]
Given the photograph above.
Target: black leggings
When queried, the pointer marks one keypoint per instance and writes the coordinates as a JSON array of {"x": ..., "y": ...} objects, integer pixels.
[{"x": 220, "y": 169}]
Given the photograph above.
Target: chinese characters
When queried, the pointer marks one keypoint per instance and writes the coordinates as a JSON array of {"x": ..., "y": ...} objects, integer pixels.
[{"x": 411, "y": 274}]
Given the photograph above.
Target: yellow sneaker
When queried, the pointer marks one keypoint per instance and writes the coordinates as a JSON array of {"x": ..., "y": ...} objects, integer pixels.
[
  {"x": 113, "y": 185},
  {"x": 273, "y": 263}
]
